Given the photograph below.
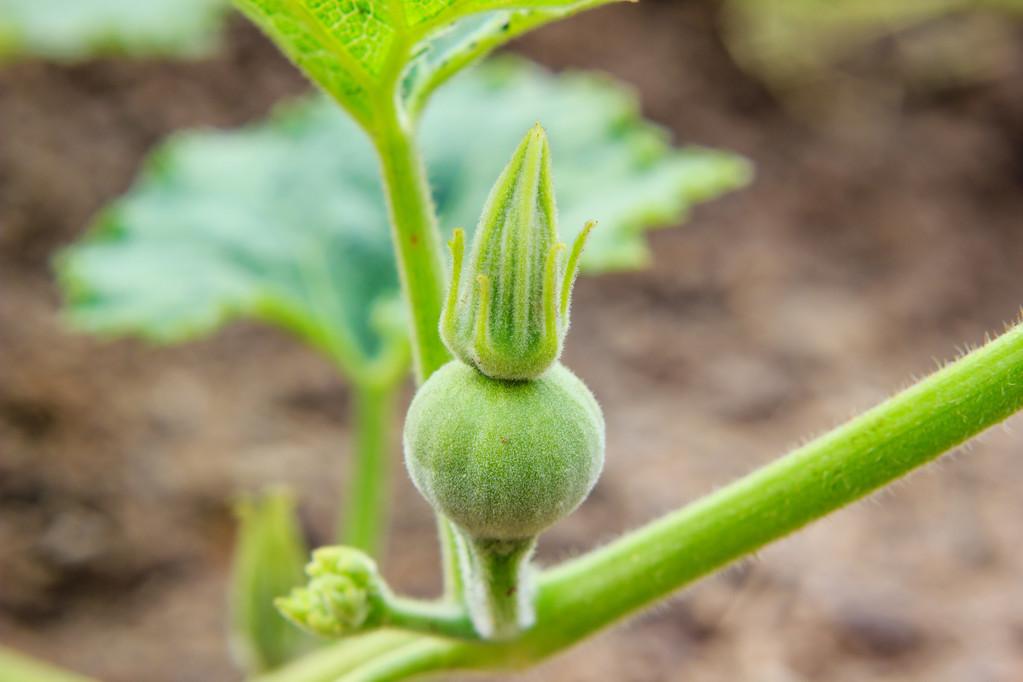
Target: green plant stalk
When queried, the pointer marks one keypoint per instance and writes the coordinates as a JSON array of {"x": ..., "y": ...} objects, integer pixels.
[
  {"x": 330, "y": 662},
  {"x": 417, "y": 240},
  {"x": 429, "y": 617},
  {"x": 365, "y": 519},
  {"x": 15, "y": 667},
  {"x": 421, "y": 271},
  {"x": 499, "y": 594},
  {"x": 584, "y": 595}
]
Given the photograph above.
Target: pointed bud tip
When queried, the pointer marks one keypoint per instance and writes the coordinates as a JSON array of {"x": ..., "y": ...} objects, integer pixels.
[
  {"x": 534, "y": 144},
  {"x": 501, "y": 314}
]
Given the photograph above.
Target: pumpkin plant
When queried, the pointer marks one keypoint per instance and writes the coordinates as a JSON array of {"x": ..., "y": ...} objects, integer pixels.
[
  {"x": 500, "y": 438},
  {"x": 286, "y": 222}
]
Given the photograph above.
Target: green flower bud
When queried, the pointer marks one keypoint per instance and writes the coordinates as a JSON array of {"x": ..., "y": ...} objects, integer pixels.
[
  {"x": 508, "y": 311},
  {"x": 505, "y": 440},
  {"x": 504, "y": 460},
  {"x": 345, "y": 594}
]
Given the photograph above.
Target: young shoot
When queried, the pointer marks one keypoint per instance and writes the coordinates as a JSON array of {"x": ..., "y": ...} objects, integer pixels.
[
  {"x": 502, "y": 440},
  {"x": 505, "y": 441}
]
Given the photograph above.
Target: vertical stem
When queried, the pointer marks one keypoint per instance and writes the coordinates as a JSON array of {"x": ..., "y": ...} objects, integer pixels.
[
  {"x": 416, "y": 240},
  {"x": 499, "y": 593},
  {"x": 454, "y": 583},
  {"x": 417, "y": 244},
  {"x": 366, "y": 509}
]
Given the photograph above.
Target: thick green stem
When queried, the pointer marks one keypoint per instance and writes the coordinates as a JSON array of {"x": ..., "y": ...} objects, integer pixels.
[
  {"x": 365, "y": 519},
  {"x": 416, "y": 239},
  {"x": 15, "y": 667},
  {"x": 421, "y": 269},
  {"x": 498, "y": 593},
  {"x": 599, "y": 588}
]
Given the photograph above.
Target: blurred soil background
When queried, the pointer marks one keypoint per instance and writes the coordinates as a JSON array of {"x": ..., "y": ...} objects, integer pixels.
[{"x": 861, "y": 254}]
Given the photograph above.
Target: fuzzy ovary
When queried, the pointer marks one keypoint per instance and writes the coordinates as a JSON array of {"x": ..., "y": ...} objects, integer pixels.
[{"x": 504, "y": 460}]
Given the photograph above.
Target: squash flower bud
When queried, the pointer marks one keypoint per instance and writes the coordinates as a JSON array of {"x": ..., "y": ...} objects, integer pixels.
[
  {"x": 345, "y": 594},
  {"x": 507, "y": 308},
  {"x": 505, "y": 441}
]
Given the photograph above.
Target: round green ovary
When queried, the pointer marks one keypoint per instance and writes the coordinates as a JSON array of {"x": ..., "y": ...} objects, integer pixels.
[{"x": 504, "y": 460}]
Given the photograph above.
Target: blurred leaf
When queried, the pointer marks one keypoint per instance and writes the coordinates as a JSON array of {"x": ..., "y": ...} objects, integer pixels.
[
  {"x": 16, "y": 667},
  {"x": 285, "y": 221},
  {"x": 268, "y": 562},
  {"x": 358, "y": 50},
  {"x": 610, "y": 165},
  {"x": 794, "y": 42},
  {"x": 77, "y": 29},
  {"x": 280, "y": 222}
]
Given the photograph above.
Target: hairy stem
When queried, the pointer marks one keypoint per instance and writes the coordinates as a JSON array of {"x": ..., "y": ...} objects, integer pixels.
[
  {"x": 429, "y": 617},
  {"x": 454, "y": 583},
  {"x": 584, "y": 595},
  {"x": 498, "y": 593},
  {"x": 417, "y": 244},
  {"x": 416, "y": 240},
  {"x": 365, "y": 520}
]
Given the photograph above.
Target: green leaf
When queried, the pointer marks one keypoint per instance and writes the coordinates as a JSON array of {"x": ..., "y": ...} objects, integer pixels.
[
  {"x": 71, "y": 30},
  {"x": 610, "y": 165},
  {"x": 285, "y": 221},
  {"x": 472, "y": 39},
  {"x": 364, "y": 53},
  {"x": 268, "y": 563},
  {"x": 279, "y": 222}
]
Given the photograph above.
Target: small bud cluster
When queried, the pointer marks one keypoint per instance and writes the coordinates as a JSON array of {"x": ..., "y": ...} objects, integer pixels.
[{"x": 345, "y": 594}]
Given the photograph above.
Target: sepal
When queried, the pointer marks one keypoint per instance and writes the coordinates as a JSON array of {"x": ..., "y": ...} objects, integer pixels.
[{"x": 507, "y": 309}]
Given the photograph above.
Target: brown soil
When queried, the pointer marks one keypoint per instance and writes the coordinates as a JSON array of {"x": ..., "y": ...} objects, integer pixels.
[{"x": 858, "y": 257}]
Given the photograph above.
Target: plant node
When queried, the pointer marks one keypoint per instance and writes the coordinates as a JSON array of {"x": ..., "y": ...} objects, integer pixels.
[{"x": 500, "y": 587}]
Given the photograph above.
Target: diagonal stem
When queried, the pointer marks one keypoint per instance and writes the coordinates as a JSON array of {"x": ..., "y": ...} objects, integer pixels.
[
  {"x": 589, "y": 593},
  {"x": 16, "y": 667},
  {"x": 331, "y": 662}
]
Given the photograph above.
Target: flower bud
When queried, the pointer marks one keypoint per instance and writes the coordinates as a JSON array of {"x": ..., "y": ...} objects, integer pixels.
[
  {"x": 507, "y": 309},
  {"x": 345, "y": 594}
]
